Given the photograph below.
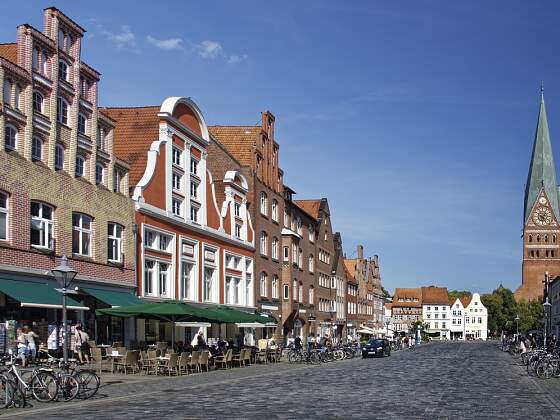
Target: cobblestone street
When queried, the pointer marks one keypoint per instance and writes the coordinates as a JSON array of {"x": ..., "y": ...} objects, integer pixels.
[{"x": 460, "y": 380}]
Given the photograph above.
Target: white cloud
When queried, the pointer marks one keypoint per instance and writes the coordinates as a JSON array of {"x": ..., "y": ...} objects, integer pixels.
[
  {"x": 166, "y": 44},
  {"x": 210, "y": 49},
  {"x": 124, "y": 38},
  {"x": 235, "y": 58}
]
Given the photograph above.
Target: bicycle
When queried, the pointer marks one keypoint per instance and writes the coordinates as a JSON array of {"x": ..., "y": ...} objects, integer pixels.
[
  {"x": 10, "y": 394},
  {"x": 42, "y": 384}
]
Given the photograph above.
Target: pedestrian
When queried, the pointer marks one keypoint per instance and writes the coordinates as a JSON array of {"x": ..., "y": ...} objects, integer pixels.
[
  {"x": 81, "y": 342},
  {"x": 31, "y": 343},
  {"x": 21, "y": 346},
  {"x": 200, "y": 342}
]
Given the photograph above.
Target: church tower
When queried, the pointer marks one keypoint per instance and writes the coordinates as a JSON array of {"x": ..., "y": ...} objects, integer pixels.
[{"x": 541, "y": 231}]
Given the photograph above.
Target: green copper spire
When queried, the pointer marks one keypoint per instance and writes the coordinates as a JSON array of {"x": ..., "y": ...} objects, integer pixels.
[{"x": 542, "y": 172}]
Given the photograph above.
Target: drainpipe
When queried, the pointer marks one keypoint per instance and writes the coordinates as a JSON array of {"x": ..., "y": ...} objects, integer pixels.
[{"x": 135, "y": 236}]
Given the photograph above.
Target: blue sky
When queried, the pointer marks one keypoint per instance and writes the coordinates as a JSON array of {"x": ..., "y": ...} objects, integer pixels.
[{"x": 415, "y": 119}]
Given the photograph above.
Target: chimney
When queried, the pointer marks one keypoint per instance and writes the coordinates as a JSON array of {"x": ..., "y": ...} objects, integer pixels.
[{"x": 360, "y": 252}]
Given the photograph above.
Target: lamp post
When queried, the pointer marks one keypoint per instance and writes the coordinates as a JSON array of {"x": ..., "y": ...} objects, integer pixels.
[
  {"x": 64, "y": 276},
  {"x": 517, "y": 321},
  {"x": 418, "y": 336},
  {"x": 546, "y": 306}
]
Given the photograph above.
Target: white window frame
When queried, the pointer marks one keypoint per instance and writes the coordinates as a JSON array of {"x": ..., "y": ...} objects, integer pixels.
[
  {"x": 62, "y": 110},
  {"x": 194, "y": 214},
  {"x": 177, "y": 206},
  {"x": 177, "y": 156},
  {"x": 193, "y": 166},
  {"x": 275, "y": 246},
  {"x": 274, "y": 210},
  {"x": 286, "y": 253},
  {"x": 263, "y": 203},
  {"x": 236, "y": 209},
  {"x": 238, "y": 231},
  {"x": 81, "y": 232},
  {"x": 38, "y": 99},
  {"x": 189, "y": 289},
  {"x": 17, "y": 96},
  {"x": 150, "y": 274},
  {"x": 82, "y": 165},
  {"x": 311, "y": 262},
  {"x": 163, "y": 279},
  {"x": 274, "y": 287},
  {"x": 7, "y": 96},
  {"x": 263, "y": 279},
  {"x": 263, "y": 243},
  {"x": 311, "y": 233},
  {"x": 115, "y": 234},
  {"x": 286, "y": 291},
  {"x": 193, "y": 191},
  {"x": 177, "y": 181},
  {"x": 43, "y": 225},
  {"x": 5, "y": 214}
]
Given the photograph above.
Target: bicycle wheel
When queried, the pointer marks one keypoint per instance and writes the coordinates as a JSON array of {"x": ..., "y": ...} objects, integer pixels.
[
  {"x": 17, "y": 397},
  {"x": 68, "y": 387},
  {"x": 44, "y": 386},
  {"x": 293, "y": 357},
  {"x": 5, "y": 392},
  {"x": 89, "y": 383}
]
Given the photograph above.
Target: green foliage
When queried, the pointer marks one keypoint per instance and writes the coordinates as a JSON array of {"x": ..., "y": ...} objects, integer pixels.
[
  {"x": 385, "y": 292},
  {"x": 458, "y": 294},
  {"x": 502, "y": 310}
]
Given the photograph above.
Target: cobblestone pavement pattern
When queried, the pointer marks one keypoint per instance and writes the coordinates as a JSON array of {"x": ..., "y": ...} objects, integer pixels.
[{"x": 438, "y": 380}]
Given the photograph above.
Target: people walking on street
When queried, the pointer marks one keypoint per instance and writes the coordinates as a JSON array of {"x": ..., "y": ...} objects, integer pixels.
[
  {"x": 31, "y": 337},
  {"x": 82, "y": 345}
]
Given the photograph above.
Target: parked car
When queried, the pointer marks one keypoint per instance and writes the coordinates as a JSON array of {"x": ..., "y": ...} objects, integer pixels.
[{"x": 376, "y": 347}]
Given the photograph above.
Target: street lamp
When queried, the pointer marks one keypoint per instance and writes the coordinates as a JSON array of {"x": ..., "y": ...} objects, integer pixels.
[
  {"x": 517, "y": 321},
  {"x": 418, "y": 336},
  {"x": 546, "y": 306},
  {"x": 64, "y": 276}
]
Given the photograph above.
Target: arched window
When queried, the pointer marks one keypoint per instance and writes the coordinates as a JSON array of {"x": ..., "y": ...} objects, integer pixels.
[
  {"x": 300, "y": 258},
  {"x": 61, "y": 39},
  {"x": 274, "y": 288},
  {"x": 7, "y": 96},
  {"x": 532, "y": 254},
  {"x": 99, "y": 173},
  {"x": 274, "y": 210},
  {"x": 264, "y": 204},
  {"x": 311, "y": 263},
  {"x": 286, "y": 218},
  {"x": 275, "y": 248},
  {"x": 62, "y": 111},
  {"x": 294, "y": 290},
  {"x": 299, "y": 226},
  {"x": 59, "y": 157},
  {"x": 538, "y": 238},
  {"x": 554, "y": 238},
  {"x": 80, "y": 166},
  {"x": 311, "y": 233},
  {"x": 38, "y": 101},
  {"x": 311, "y": 295},
  {"x": 10, "y": 137},
  {"x": 300, "y": 294},
  {"x": 37, "y": 148},
  {"x": 262, "y": 283},
  {"x": 538, "y": 253},
  {"x": 63, "y": 71},
  {"x": 530, "y": 238},
  {"x": 264, "y": 243},
  {"x": 546, "y": 238}
]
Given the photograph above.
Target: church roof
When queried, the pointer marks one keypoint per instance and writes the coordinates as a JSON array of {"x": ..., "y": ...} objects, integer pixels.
[{"x": 542, "y": 172}]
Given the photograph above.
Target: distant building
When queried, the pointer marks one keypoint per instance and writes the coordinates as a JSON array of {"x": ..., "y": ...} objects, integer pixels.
[
  {"x": 476, "y": 319},
  {"x": 435, "y": 311},
  {"x": 541, "y": 215},
  {"x": 406, "y": 309}
]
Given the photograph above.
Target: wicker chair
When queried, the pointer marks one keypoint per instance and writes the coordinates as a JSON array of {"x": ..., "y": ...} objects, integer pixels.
[
  {"x": 239, "y": 358},
  {"x": 130, "y": 360},
  {"x": 193, "y": 363},
  {"x": 97, "y": 358},
  {"x": 184, "y": 362},
  {"x": 117, "y": 344},
  {"x": 172, "y": 364},
  {"x": 203, "y": 360},
  {"x": 247, "y": 357},
  {"x": 224, "y": 360}
]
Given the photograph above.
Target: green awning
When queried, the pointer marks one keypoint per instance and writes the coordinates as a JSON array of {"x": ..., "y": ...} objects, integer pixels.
[
  {"x": 112, "y": 298},
  {"x": 37, "y": 295},
  {"x": 228, "y": 315}
]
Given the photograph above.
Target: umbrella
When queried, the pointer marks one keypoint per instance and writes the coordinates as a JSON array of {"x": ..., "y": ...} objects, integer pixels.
[{"x": 170, "y": 311}]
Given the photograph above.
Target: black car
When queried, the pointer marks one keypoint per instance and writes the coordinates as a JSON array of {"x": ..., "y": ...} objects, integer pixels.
[{"x": 376, "y": 347}]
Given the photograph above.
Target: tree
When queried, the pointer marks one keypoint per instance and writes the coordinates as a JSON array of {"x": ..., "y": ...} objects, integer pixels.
[
  {"x": 458, "y": 294},
  {"x": 385, "y": 292},
  {"x": 502, "y": 310}
]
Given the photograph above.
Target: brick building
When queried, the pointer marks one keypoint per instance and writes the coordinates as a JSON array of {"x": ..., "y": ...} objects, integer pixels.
[
  {"x": 196, "y": 239},
  {"x": 352, "y": 323},
  {"x": 541, "y": 232},
  {"x": 63, "y": 191},
  {"x": 406, "y": 309},
  {"x": 256, "y": 149},
  {"x": 298, "y": 269},
  {"x": 326, "y": 313},
  {"x": 340, "y": 282}
]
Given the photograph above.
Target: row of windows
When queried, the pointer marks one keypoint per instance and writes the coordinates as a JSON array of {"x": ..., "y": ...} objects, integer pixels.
[
  {"x": 351, "y": 308},
  {"x": 352, "y": 290},
  {"x": 42, "y": 230},
  {"x": 436, "y": 316},
  {"x": 545, "y": 238},
  {"x": 11, "y": 137},
  {"x": 177, "y": 159},
  {"x": 324, "y": 256},
  {"x": 12, "y": 94},
  {"x": 295, "y": 224},
  {"x": 264, "y": 206},
  {"x": 541, "y": 253}
]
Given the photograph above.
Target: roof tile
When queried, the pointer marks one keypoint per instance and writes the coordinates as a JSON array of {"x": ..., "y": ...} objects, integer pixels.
[{"x": 238, "y": 140}]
